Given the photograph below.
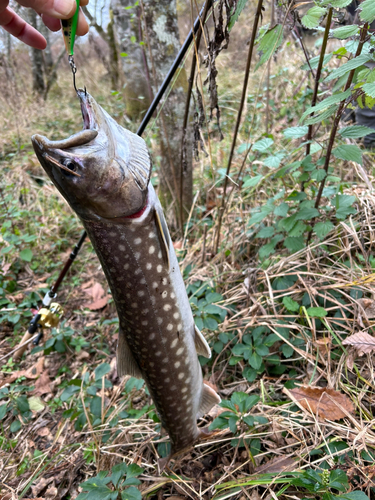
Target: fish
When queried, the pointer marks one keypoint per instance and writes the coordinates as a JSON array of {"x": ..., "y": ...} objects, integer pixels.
[{"x": 103, "y": 172}]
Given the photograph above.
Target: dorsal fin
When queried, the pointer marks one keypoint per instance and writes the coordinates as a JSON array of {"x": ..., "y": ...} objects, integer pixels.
[
  {"x": 201, "y": 346},
  {"x": 209, "y": 398},
  {"x": 163, "y": 235}
]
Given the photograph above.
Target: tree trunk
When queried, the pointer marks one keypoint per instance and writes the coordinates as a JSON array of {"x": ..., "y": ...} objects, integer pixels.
[
  {"x": 149, "y": 42},
  {"x": 36, "y": 57}
]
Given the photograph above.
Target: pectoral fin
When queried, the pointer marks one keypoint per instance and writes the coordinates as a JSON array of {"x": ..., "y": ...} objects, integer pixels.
[
  {"x": 201, "y": 346},
  {"x": 209, "y": 398},
  {"x": 163, "y": 235},
  {"x": 126, "y": 364}
]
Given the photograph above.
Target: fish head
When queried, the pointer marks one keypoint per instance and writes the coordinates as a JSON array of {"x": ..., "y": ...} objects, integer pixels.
[{"x": 103, "y": 171}]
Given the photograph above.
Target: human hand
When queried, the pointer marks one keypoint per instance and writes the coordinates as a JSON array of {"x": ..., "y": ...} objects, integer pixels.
[{"x": 51, "y": 10}]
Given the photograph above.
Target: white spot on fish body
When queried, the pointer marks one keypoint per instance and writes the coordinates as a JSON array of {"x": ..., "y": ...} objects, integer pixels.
[
  {"x": 142, "y": 281},
  {"x": 138, "y": 270},
  {"x": 144, "y": 323},
  {"x": 134, "y": 305},
  {"x": 164, "y": 294},
  {"x": 177, "y": 364},
  {"x": 137, "y": 241},
  {"x": 159, "y": 268},
  {"x": 180, "y": 351},
  {"x": 151, "y": 250},
  {"x": 165, "y": 360},
  {"x": 126, "y": 266},
  {"x": 187, "y": 380},
  {"x": 121, "y": 248},
  {"x": 173, "y": 388},
  {"x": 159, "y": 321},
  {"x": 144, "y": 312},
  {"x": 158, "y": 353},
  {"x": 167, "y": 380},
  {"x": 167, "y": 307},
  {"x": 140, "y": 293},
  {"x": 151, "y": 234},
  {"x": 159, "y": 254},
  {"x": 181, "y": 376},
  {"x": 155, "y": 285},
  {"x": 148, "y": 266},
  {"x": 174, "y": 343},
  {"x": 184, "y": 389},
  {"x": 173, "y": 295},
  {"x": 170, "y": 327},
  {"x": 176, "y": 315},
  {"x": 152, "y": 336},
  {"x": 163, "y": 370}
]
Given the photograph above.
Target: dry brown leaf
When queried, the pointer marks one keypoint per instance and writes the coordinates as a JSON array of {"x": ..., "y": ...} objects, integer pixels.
[
  {"x": 368, "y": 306},
  {"x": 83, "y": 355},
  {"x": 99, "y": 296},
  {"x": 277, "y": 464},
  {"x": 362, "y": 341},
  {"x": 326, "y": 403},
  {"x": 324, "y": 346},
  {"x": 43, "y": 385},
  {"x": 41, "y": 485},
  {"x": 43, "y": 431},
  {"x": 30, "y": 373}
]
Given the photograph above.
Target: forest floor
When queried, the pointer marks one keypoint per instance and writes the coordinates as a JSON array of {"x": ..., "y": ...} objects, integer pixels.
[{"x": 296, "y": 419}]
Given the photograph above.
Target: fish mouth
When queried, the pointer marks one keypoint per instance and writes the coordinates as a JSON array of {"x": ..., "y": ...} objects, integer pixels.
[
  {"x": 88, "y": 113},
  {"x": 90, "y": 130}
]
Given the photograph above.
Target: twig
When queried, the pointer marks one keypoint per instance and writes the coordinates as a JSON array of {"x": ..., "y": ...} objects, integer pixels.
[{"x": 243, "y": 97}]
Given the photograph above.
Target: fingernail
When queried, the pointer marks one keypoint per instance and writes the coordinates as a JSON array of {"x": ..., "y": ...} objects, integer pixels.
[{"x": 64, "y": 7}]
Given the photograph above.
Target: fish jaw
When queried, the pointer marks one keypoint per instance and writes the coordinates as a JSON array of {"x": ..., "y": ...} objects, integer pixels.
[{"x": 102, "y": 171}]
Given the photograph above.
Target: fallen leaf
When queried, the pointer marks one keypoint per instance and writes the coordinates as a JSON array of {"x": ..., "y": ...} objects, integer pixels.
[
  {"x": 324, "y": 346},
  {"x": 362, "y": 341},
  {"x": 99, "y": 296},
  {"x": 30, "y": 373},
  {"x": 326, "y": 403},
  {"x": 43, "y": 431},
  {"x": 368, "y": 306},
  {"x": 35, "y": 403},
  {"x": 177, "y": 245},
  {"x": 277, "y": 464},
  {"x": 83, "y": 355},
  {"x": 43, "y": 385},
  {"x": 41, "y": 484}
]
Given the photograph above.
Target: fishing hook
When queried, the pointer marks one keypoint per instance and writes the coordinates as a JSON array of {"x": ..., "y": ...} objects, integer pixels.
[{"x": 73, "y": 67}]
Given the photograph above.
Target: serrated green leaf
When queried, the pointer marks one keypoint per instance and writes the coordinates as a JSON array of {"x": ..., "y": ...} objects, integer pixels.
[
  {"x": 316, "y": 312},
  {"x": 291, "y": 304},
  {"x": 295, "y": 132},
  {"x": 312, "y": 17},
  {"x": 322, "y": 116},
  {"x": 26, "y": 254},
  {"x": 353, "y": 495},
  {"x": 338, "y": 4},
  {"x": 266, "y": 232},
  {"x": 263, "y": 144},
  {"x": 236, "y": 14},
  {"x": 326, "y": 103},
  {"x": 269, "y": 43},
  {"x": 252, "y": 181},
  {"x": 294, "y": 244},
  {"x": 354, "y": 63},
  {"x": 272, "y": 161},
  {"x": 134, "y": 470},
  {"x": 319, "y": 174},
  {"x": 345, "y": 32},
  {"x": 321, "y": 229},
  {"x": 306, "y": 213},
  {"x": 367, "y": 11},
  {"x": 281, "y": 210},
  {"x": 348, "y": 152},
  {"x": 355, "y": 131},
  {"x": 369, "y": 89}
]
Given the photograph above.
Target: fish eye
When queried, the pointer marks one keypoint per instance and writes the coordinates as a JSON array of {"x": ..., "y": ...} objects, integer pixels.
[{"x": 70, "y": 165}]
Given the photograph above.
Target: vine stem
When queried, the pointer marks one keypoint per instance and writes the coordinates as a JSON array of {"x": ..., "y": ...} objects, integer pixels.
[
  {"x": 336, "y": 125},
  {"x": 197, "y": 40},
  {"x": 238, "y": 122},
  {"x": 317, "y": 78}
]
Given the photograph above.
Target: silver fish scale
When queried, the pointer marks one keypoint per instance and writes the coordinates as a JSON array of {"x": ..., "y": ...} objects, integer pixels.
[{"x": 150, "y": 318}]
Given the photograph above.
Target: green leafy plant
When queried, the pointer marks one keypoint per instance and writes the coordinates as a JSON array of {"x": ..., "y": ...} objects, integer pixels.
[
  {"x": 203, "y": 299},
  {"x": 120, "y": 483}
]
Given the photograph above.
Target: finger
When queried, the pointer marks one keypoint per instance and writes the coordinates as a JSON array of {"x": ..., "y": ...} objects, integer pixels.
[
  {"x": 17, "y": 27},
  {"x": 52, "y": 23},
  {"x": 62, "y": 9},
  {"x": 83, "y": 26},
  {"x": 3, "y": 6},
  {"x": 83, "y": 3}
]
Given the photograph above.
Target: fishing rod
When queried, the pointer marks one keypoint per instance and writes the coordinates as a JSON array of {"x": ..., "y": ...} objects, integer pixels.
[{"x": 49, "y": 315}]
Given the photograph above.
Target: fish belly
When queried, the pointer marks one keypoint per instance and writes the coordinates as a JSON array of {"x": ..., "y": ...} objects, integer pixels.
[{"x": 155, "y": 319}]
